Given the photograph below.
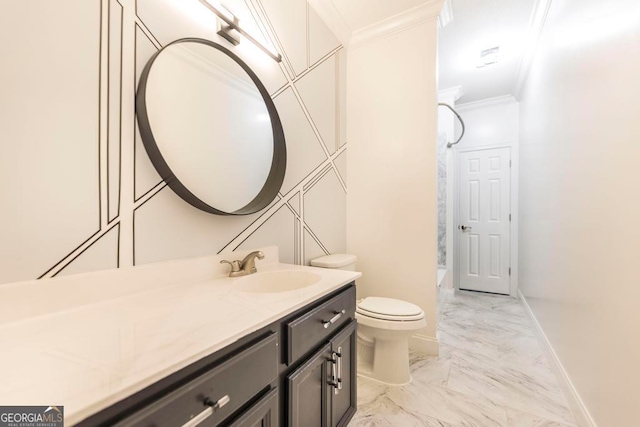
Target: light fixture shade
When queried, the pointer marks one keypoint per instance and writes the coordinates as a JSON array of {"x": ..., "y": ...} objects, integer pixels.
[{"x": 219, "y": 10}]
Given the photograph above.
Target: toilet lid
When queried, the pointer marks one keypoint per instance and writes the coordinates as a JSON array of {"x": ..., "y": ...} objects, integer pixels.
[
  {"x": 389, "y": 309},
  {"x": 334, "y": 260}
]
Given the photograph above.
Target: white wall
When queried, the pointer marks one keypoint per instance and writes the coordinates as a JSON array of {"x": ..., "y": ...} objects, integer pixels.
[
  {"x": 580, "y": 200},
  {"x": 493, "y": 121},
  {"x": 391, "y": 215},
  {"x": 78, "y": 190}
]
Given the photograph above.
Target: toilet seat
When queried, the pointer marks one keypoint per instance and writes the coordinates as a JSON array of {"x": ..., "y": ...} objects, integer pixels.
[{"x": 389, "y": 309}]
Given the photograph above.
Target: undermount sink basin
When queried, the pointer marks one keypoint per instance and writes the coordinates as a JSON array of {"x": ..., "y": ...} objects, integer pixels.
[{"x": 276, "y": 281}]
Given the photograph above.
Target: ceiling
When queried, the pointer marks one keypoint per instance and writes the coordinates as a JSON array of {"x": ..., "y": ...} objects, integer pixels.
[
  {"x": 361, "y": 13},
  {"x": 479, "y": 25},
  {"x": 348, "y": 17},
  {"x": 476, "y": 25}
]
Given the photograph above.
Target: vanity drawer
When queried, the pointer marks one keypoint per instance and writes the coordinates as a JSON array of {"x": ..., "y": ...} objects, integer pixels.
[
  {"x": 307, "y": 331},
  {"x": 233, "y": 382}
]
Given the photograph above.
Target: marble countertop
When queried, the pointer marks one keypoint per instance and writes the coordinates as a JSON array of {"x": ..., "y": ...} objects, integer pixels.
[{"x": 118, "y": 336}]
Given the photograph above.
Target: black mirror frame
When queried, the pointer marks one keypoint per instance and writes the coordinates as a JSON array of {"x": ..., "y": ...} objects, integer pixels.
[{"x": 275, "y": 178}]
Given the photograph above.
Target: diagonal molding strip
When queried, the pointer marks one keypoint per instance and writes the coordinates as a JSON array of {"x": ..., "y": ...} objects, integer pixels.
[
  {"x": 283, "y": 200},
  {"x": 315, "y": 237}
]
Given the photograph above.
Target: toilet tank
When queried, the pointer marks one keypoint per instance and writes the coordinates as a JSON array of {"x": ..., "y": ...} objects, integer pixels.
[{"x": 337, "y": 261}]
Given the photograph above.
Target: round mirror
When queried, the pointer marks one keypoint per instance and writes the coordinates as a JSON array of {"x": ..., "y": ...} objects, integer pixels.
[{"x": 210, "y": 128}]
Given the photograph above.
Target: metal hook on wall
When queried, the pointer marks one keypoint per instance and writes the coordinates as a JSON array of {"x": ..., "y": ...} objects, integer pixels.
[{"x": 451, "y": 144}]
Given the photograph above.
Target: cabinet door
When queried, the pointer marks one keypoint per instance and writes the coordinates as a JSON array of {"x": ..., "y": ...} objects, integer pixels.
[
  {"x": 343, "y": 393},
  {"x": 263, "y": 414},
  {"x": 308, "y": 391}
]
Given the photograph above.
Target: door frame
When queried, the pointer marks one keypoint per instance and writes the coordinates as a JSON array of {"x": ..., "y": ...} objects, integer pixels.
[{"x": 513, "y": 230}]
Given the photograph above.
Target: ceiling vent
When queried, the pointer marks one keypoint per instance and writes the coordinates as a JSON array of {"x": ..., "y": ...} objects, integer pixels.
[{"x": 488, "y": 57}]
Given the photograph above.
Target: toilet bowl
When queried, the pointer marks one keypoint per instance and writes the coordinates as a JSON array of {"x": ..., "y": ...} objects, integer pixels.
[{"x": 384, "y": 328}]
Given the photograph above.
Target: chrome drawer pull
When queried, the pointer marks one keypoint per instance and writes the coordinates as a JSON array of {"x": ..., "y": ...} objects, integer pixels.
[
  {"x": 336, "y": 378},
  {"x": 333, "y": 320},
  {"x": 334, "y": 375},
  {"x": 212, "y": 407},
  {"x": 193, "y": 422},
  {"x": 219, "y": 404},
  {"x": 339, "y": 354}
]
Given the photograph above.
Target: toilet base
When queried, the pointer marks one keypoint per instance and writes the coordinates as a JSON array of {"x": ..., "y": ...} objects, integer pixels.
[
  {"x": 368, "y": 375},
  {"x": 383, "y": 346},
  {"x": 384, "y": 360}
]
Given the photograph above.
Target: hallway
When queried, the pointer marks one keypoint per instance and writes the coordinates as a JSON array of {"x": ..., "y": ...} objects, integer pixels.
[{"x": 491, "y": 372}]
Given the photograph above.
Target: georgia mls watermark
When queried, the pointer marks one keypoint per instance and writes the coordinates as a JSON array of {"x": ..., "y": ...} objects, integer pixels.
[{"x": 31, "y": 416}]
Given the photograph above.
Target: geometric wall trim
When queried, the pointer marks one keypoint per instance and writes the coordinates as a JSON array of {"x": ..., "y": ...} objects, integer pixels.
[
  {"x": 114, "y": 110},
  {"x": 326, "y": 224},
  {"x": 279, "y": 230},
  {"x": 312, "y": 248},
  {"x": 342, "y": 97},
  {"x": 294, "y": 202},
  {"x": 166, "y": 227},
  {"x": 318, "y": 91},
  {"x": 341, "y": 165},
  {"x": 102, "y": 255},
  {"x": 321, "y": 39},
  {"x": 145, "y": 175},
  {"x": 302, "y": 143},
  {"x": 103, "y": 205}
]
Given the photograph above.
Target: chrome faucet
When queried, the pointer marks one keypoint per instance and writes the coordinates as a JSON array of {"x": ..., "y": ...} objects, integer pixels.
[{"x": 244, "y": 267}]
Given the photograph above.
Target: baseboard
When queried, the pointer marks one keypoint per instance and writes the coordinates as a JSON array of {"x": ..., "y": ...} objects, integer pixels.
[
  {"x": 579, "y": 409},
  {"x": 424, "y": 344}
]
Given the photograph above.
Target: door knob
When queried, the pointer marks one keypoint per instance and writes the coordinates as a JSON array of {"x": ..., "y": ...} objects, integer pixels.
[{"x": 465, "y": 228}]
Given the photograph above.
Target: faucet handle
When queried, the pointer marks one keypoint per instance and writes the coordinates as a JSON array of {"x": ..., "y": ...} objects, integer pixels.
[{"x": 235, "y": 265}]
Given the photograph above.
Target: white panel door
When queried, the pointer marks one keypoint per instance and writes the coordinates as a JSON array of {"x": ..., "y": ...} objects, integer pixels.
[{"x": 484, "y": 223}]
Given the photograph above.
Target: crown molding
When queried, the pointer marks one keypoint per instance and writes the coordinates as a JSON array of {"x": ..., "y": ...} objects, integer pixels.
[
  {"x": 489, "y": 102},
  {"x": 429, "y": 10},
  {"x": 446, "y": 14},
  {"x": 333, "y": 19},
  {"x": 454, "y": 93},
  {"x": 536, "y": 27}
]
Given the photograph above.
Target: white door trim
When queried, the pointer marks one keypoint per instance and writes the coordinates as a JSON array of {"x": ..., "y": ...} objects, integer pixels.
[{"x": 515, "y": 168}]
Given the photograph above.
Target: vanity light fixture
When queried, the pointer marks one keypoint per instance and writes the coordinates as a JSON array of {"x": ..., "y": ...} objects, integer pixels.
[{"x": 230, "y": 27}]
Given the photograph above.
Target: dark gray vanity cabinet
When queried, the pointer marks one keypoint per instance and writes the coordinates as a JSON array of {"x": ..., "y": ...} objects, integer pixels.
[
  {"x": 299, "y": 371},
  {"x": 263, "y": 414},
  {"x": 322, "y": 391}
]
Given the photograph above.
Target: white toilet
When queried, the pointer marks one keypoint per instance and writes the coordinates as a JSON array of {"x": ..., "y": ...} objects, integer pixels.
[{"x": 384, "y": 328}]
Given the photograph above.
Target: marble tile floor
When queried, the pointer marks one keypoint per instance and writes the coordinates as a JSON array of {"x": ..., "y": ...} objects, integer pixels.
[{"x": 491, "y": 371}]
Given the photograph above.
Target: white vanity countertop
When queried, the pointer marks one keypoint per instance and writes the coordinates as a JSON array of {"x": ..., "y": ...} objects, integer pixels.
[{"x": 108, "y": 345}]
